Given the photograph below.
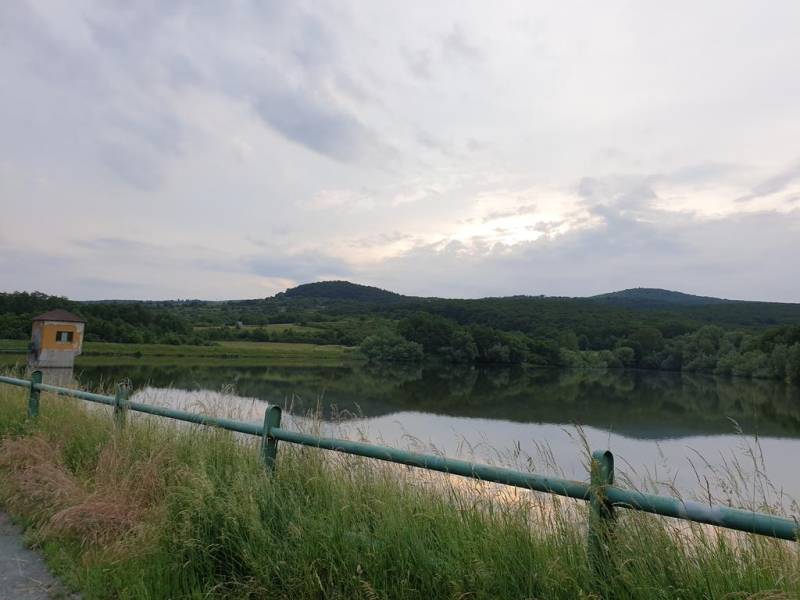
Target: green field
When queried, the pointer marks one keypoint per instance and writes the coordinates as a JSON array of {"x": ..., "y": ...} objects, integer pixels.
[
  {"x": 220, "y": 350},
  {"x": 155, "y": 511},
  {"x": 269, "y": 327}
]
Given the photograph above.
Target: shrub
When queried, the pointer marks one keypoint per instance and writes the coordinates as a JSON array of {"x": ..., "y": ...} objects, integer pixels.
[{"x": 390, "y": 347}]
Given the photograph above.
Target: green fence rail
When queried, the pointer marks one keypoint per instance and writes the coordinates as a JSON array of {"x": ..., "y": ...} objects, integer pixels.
[{"x": 604, "y": 497}]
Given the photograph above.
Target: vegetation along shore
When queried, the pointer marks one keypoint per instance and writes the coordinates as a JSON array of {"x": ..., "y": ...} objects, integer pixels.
[
  {"x": 638, "y": 328},
  {"x": 161, "y": 511}
]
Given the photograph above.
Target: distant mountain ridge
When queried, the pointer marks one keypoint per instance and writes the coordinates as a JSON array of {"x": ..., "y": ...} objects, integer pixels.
[
  {"x": 342, "y": 290},
  {"x": 656, "y": 298},
  {"x": 629, "y": 298},
  {"x": 677, "y": 310}
]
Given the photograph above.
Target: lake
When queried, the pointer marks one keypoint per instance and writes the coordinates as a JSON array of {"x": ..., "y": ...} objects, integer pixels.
[{"x": 685, "y": 432}]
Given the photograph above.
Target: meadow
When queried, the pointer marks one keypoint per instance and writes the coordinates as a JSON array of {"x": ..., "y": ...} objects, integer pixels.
[
  {"x": 224, "y": 349},
  {"x": 162, "y": 511}
]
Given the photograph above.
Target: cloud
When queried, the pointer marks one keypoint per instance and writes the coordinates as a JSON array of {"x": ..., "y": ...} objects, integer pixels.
[
  {"x": 524, "y": 209},
  {"x": 676, "y": 252},
  {"x": 457, "y": 46},
  {"x": 419, "y": 63},
  {"x": 175, "y": 136},
  {"x": 315, "y": 126},
  {"x": 628, "y": 193},
  {"x": 116, "y": 245},
  {"x": 774, "y": 184},
  {"x": 703, "y": 172},
  {"x": 380, "y": 239},
  {"x": 309, "y": 265}
]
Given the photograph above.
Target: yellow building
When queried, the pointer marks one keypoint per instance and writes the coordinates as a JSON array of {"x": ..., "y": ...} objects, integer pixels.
[{"x": 56, "y": 339}]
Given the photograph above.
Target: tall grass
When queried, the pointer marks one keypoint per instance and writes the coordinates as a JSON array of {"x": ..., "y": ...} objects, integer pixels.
[{"x": 159, "y": 511}]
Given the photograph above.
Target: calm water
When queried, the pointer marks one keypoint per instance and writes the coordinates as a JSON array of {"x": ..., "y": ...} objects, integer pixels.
[{"x": 667, "y": 429}]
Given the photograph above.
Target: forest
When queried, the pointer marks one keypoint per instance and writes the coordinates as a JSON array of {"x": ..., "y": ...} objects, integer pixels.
[{"x": 662, "y": 330}]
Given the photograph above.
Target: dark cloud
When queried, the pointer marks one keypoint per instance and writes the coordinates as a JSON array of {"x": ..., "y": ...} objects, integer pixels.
[
  {"x": 474, "y": 145},
  {"x": 420, "y": 64},
  {"x": 677, "y": 252},
  {"x": 622, "y": 193},
  {"x": 187, "y": 256},
  {"x": 772, "y": 185},
  {"x": 434, "y": 143},
  {"x": 26, "y": 36},
  {"x": 457, "y": 46},
  {"x": 114, "y": 245},
  {"x": 106, "y": 288},
  {"x": 380, "y": 239},
  {"x": 109, "y": 91},
  {"x": 317, "y": 125},
  {"x": 453, "y": 47},
  {"x": 314, "y": 46},
  {"x": 301, "y": 267},
  {"x": 112, "y": 110},
  {"x": 524, "y": 209},
  {"x": 88, "y": 106},
  {"x": 701, "y": 173},
  {"x": 625, "y": 242},
  {"x": 131, "y": 165},
  {"x": 545, "y": 227}
]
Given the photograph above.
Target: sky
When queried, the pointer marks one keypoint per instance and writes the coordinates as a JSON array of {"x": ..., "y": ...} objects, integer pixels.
[{"x": 204, "y": 149}]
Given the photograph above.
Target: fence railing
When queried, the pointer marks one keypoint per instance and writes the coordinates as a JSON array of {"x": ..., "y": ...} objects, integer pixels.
[{"x": 604, "y": 497}]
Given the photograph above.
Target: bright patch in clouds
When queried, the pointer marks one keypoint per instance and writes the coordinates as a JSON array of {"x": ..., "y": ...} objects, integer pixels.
[{"x": 182, "y": 150}]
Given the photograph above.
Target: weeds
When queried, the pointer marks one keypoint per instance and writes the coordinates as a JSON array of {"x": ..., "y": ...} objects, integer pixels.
[{"x": 164, "y": 511}]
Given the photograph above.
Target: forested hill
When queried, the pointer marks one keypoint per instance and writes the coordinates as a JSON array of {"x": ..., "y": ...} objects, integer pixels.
[
  {"x": 655, "y": 298},
  {"x": 341, "y": 290},
  {"x": 643, "y": 328},
  {"x": 673, "y": 312}
]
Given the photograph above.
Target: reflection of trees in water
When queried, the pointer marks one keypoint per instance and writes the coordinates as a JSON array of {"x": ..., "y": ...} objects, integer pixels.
[{"x": 636, "y": 403}]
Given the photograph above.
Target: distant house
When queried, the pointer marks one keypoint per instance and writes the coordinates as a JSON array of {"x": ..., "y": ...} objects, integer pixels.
[{"x": 56, "y": 339}]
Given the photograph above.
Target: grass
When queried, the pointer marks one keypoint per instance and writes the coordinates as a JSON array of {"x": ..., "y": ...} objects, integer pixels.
[
  {"x": 161, "y": 511},
  {"x": 254, "y": 350},
  {"x": 269, "y": 327},
  {"x": 14, "y": 346}
]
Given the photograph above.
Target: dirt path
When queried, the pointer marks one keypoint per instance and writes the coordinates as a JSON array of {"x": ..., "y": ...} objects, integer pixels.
[{"x": 23, "y": 574}]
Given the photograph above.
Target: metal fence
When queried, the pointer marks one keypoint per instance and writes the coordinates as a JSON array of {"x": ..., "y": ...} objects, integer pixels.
[{"x": 604, "y": 497}]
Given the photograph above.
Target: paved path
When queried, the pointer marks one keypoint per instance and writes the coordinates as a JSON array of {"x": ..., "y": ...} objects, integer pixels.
[{"x": 23, "y": 574}]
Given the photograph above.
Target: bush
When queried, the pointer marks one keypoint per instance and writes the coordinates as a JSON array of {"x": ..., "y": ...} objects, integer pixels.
[
  {"x": 186, "y": 512},
  {"x": 390, "y": 347}
]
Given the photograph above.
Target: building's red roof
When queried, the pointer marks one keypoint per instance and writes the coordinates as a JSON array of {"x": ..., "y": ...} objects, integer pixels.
[{"x": 59, "y": 314}]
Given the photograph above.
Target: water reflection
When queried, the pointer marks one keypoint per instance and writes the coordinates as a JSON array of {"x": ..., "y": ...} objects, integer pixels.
[
  {"x": 638, "y": 404},
  {"x": 671, "y": 431},
  {"x": 59, "y": 376}
]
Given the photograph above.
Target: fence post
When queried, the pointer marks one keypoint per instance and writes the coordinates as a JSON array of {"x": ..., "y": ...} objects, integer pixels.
[
  {"x": 33, "y": 395},
  {"x": 601, "y": 515},
  {"x": 121, "y": 405},
  {"x": 269, "y": 445}
]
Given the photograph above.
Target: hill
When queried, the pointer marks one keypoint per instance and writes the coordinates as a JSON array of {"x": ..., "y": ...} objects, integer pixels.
[
  {"x": 645, "y": 328},
  {"x": 341, "y": 290},
  {"x": 655, "y": 298}
]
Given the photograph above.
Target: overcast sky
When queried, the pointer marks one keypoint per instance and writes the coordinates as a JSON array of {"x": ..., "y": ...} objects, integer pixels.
[{"x": 231, "y": 149}]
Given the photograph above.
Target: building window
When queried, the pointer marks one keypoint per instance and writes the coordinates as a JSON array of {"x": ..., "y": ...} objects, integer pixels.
[{"x": 64, "y": 336}]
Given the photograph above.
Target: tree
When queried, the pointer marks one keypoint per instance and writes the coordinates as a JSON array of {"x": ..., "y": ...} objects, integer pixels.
[
  {"x": 793, "y": 363},
  {"x": 431, "y": 331},
  {"x": 460, "y": 349},
  {"x": 495, "y": 346},
  {"x": 646, "y": 341},
  {"x": 625, "y": 355},
  {"x": 390, "y": 347}
]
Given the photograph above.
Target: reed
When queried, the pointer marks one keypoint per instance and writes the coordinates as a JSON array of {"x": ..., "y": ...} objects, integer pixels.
[{"x": 166, "y": 511}]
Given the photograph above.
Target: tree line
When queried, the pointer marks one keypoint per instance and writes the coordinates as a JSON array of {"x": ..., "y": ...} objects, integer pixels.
[
  {"x": 773, "y": 353},
  {"x": 124, "y": 322},
  {"x": 554, "y": 332}
]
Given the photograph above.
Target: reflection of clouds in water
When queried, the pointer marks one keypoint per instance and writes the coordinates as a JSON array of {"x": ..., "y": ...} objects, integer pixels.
[
  {"x": 219, "y": 404},
  {"x": 686, "y": 465}
]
